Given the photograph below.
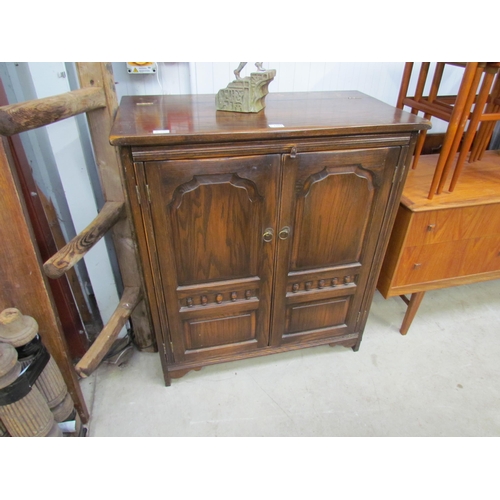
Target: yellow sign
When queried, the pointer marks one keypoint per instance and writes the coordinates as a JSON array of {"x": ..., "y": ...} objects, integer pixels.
[{"x": 141, "y": 67}]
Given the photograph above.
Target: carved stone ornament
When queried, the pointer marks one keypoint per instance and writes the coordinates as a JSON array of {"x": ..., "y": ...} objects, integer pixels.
[{"x": 246, "y": 95}]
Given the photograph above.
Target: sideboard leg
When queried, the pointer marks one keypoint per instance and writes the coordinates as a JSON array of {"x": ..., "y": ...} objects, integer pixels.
[{"x": 413, "y": 305}]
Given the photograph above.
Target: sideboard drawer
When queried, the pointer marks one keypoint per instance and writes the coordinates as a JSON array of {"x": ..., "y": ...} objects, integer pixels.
[
  {"x": 453, "y": 224},
  {"x": 426, "y": 263},
  {"x": 482, "y": 256},
  {"x": 449, "y": 259}
]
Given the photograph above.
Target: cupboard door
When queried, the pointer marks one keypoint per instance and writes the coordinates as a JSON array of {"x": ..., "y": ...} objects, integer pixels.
[
  {"x": 332, "y": 209},
  {"x": 213, "y": 223}
]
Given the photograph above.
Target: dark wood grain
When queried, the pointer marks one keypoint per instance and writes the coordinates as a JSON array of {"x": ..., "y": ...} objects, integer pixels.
[
  {"x": 258, "y": 239},
  {"x": 193, "y": 118},
  {"x": 150, "y": 273},
  {"x": 335, "y": 203},
  {"x": 213, "y": 214}
]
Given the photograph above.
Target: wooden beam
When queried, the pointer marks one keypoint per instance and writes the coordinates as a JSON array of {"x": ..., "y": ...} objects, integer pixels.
[
  {"x": 22, "y": 283},
  {"x": 112, "y": 183},
  {"x": 16, "y": 118},
  {"x": 99, "y": 349},
  {"x": 76, "y": 249}
]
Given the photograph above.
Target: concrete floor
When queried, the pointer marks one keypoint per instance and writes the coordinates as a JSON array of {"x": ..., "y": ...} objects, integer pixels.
[{"x": 441, "y": 379}]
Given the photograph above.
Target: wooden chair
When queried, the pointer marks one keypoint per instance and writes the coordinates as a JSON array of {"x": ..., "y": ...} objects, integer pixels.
[
  {"x": 454, "y": 109},
  {"x": 486, "y": 113},
  {"x": 486, "y": 129}
]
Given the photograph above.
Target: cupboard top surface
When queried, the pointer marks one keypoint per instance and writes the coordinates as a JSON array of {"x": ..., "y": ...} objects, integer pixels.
[{"x": 185, "y": 119}]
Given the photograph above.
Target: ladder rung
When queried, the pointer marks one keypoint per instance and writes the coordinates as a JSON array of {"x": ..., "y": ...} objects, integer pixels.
[
  {"x": 73, "y": 251},
  {"x": 16, "y": 118},
  {"x": 130, "y": 298}
]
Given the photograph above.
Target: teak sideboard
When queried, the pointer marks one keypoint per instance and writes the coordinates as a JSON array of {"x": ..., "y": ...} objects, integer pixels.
[
  {"x": 261, "y": 233},
  {"x": 453, "y": 239}
]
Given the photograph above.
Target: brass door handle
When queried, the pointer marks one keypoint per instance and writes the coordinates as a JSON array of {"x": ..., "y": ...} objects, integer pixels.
[
  {"x": 268, "y": 235},
  {"x": 284, "y": 233}
]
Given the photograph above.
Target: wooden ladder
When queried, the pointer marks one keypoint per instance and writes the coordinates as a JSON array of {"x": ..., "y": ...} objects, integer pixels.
[{"x": 97, "y": 98}]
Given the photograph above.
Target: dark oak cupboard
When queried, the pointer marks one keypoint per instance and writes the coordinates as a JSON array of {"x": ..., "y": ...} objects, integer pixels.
[{"x": 261, "y": 233}]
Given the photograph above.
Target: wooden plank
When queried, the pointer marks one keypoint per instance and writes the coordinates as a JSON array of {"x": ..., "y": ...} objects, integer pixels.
[
  {"x": 100, "y": 121},
  {"x": 16, "y": 118},
  {"x": 23, "y": 284},
  {"x": 104, "y": 341},
  {"x": 110, "y": 174},
  {"x": 76, "y": 249},
  {"x": 67, "y": 309}
]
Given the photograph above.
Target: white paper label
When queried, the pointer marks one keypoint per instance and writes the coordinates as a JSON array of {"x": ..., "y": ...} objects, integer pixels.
[{"x": 69, "y": 426}]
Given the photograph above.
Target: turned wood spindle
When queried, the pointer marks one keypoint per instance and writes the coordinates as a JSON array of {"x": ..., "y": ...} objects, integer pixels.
[
  {"x": 3, "y": 431},
  {"x": 21, "y": 331},
  {"x": 26, "y": 416},
  {"x": 17, "y": 329}
]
